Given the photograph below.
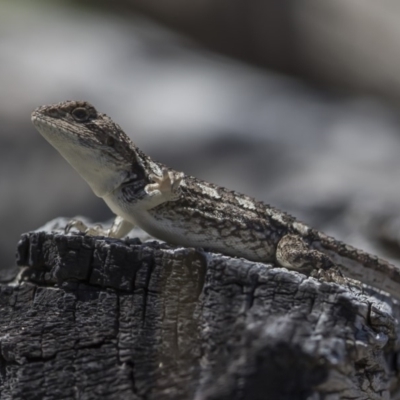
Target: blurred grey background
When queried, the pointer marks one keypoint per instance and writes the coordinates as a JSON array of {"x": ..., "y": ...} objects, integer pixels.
[{"x": 293, "y": 102}]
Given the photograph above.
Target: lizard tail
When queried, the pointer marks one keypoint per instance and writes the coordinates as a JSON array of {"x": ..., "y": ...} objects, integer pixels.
[{"x": 360, "y": 265}]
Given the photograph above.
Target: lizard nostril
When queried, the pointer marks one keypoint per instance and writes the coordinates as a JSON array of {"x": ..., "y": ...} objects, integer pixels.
[{"x": 52, "y": 112}]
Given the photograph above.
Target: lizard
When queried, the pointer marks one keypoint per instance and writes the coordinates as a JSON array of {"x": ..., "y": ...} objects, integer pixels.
[{"x": 186, "y": 211}]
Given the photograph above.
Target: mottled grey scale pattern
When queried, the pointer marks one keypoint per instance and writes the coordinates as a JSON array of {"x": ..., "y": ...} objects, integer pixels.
[
  {"x": 187, "y": 211},
  {"x": 131, "y": 190},
  {"x": 227, "y": 218},
  {"x": 366, "y": 259},
  {"x": 94, "y": 130}
]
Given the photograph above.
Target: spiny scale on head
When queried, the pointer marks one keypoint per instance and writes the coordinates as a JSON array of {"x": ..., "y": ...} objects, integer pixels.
[{"x": 85, "y": 122}]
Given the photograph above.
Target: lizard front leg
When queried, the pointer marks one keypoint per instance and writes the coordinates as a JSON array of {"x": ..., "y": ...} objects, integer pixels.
[
  {"x": 119, "y": 228},
  {"x": 161, "y": 190},
  {"x": 165, "y": 188}
]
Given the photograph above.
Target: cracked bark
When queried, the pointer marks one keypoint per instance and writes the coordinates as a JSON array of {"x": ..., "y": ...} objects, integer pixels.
[{"x": 98, "y": 318}]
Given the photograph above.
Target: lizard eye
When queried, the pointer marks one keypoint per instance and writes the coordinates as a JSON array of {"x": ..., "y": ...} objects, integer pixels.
[
  {"x": 80, "y": 114},
  {"x": 110, "y": 141}
]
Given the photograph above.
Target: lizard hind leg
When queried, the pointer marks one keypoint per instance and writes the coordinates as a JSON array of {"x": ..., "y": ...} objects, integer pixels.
[{"x": 293, "y": 252}]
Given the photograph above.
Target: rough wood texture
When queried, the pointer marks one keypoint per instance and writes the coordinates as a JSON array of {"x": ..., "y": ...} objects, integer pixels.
[{"x": 100, "y": 318}]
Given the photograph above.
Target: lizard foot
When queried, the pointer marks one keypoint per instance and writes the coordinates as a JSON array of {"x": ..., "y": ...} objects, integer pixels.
[
  {"x": 335, "y": 275},
  {"x": 96, "y": 230},
  {"x": 329, "y": 275},
  {"x": 166, "y": 186},
  {"x": 119, "y": 228}
]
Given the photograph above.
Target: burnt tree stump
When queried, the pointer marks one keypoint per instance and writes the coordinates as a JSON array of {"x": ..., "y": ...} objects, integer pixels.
[{"x": 100, "y": 318}]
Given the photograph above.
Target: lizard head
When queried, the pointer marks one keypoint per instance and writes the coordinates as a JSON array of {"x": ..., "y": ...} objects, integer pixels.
[{"x": 91, "y": 142}]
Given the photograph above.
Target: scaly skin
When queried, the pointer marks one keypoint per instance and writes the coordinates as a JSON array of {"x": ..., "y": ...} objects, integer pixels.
[{"x": 184, "y": 210}]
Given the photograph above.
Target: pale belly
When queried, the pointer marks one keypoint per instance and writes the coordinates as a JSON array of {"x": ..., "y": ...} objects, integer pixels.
[{"x": 221, "y": 236}]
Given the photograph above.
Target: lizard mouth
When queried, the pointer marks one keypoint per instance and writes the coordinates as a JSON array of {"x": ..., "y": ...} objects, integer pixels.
[{"x": 40, "y": 121}]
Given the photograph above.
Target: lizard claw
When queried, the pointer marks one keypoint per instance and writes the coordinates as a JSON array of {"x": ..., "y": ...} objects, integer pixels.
[
  {"x": 167, "y": 185},
  {"x": 96, "y": 230},
  {"x": 75, "y": 224}
]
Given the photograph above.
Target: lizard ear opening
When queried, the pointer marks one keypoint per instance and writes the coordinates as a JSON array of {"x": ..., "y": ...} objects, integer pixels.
[{"x": 110, "y": 141}]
